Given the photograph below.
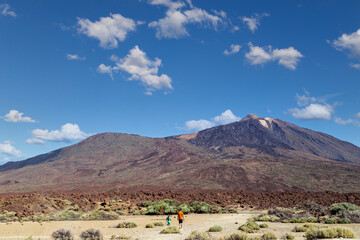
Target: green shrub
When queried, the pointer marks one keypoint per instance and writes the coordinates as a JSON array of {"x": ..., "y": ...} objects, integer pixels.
[
  {"x": 162, "y": 207},
  {"x": 195, "y": 235},
  {"x": 68, "y": 215},
  {"x": 201, "y": 207},
  {"x": 113, "y": 237},
  {"x": 344, "y": 206},
  {"x": 102, "y": 215},
  {"x": 126, "y": 225},
  {"x": 268, "y": 236},
  {"x": 237, "y": 236},
  {"x": 158, "y": 224},
  {"x": 264, "y": 218},
  {"x": 264, "y": 225},
  {"x": 300, "y": 229},
  {"x": 288, "y": 237},
  {"x": 62, "y": 234},
  {"x": 232, "y": 210},
  {"x": 249, "y": 227},
  {"x": 91, "y": 234},
  {"x": 329, "y": 233},
  {"x": 215, "y": 229},
  {"x": 170, "y": 230},
  {"x": 185, "y": 208},
  {"x": 146, "y": 203},
  {"x": 150, "y": 225},
  {"x": 331, "y": 221},
  {"x": 344, "y": 221},
  {"x": 312, "y": 220}
]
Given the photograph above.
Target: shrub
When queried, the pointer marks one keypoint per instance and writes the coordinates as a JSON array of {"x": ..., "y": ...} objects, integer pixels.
[
  {"x": 288, "y": 237},
  {"x": 312, "y": 220},
  {"x": 103, "y": 215},
  {"x": 126, "y": 225},
  {"x": 170, "y": 230},
  {"x": 344, "y": 206},
  {"x": 351, "y": 216},
  {"x": 300, "y": 229},
  {"x": 146, "y": 203},
  {"x": 249, "y": 227},
  {"x": 113, "y": 237},
  {"x": 264, "y": 225},
  {"x": 264, "y": 218},
  {"x": 62, "y": 234},
  {"x": 162, "y": 207},
  {"x": 91, "y": 234},
  {"x": 201, "y": 207},
  {"x": 329, "y": 233},
  {"x": 268, "y": 236},
  {"x": 232, "y": 210},
  {"x": 215, "y": 229},
  {"x": 158, "y": 224},
  {"x": 331, "y": 221},
  {"x": 150, "y": 225},
  {"x": 70, "y": 215},
  {"x": 344, "y": 221},
  {"x": 237, "y": 236},
  {"x": 195, "y": 235}
]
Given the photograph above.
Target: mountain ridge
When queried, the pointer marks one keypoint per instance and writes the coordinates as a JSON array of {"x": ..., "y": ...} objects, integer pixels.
[{"x": 253, "y": 154}]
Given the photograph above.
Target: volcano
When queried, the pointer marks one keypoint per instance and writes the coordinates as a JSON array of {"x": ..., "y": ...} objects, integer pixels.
[{"x": 254, "y": 154}]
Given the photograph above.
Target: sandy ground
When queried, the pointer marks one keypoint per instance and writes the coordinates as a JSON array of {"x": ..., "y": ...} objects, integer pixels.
[{"x": 199, "y": 222}]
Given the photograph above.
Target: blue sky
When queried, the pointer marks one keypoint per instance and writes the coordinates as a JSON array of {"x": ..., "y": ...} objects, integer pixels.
[{"x": 157, "y": 68}]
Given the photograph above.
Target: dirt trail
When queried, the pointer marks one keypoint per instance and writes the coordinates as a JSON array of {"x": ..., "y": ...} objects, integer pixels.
[{"x": 200, "y": 222}]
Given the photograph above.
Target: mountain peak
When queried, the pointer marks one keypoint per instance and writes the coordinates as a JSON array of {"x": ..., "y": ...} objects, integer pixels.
[{"x": 251, "y": 116}]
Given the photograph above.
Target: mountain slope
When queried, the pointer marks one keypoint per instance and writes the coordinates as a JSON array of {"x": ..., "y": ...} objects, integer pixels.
[{"x": 254, "y": 154}]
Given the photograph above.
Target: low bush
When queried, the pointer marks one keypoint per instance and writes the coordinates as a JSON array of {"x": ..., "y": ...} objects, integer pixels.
[
  {"x": 237, "y": 236},
  {"x": 249, "y": 227},
  {"x": 268, "y": 236},
  {"x": 232, "y": 210},
  {"x": 201, "y": 207},
  {"x": 102, "y": 215},
  {"x": 288, "y": 237},
  {"x": 70, "y": 215},
  {"x": 91, "y": 234},
  {"x": 264, "y": 225},
  {"x": 195, "y": 235},
  {"x": 331, "y": 221},
  {"x": 300, "y": 229},
  {"x": 351, "y": 216},
  {"x": 126, "y": 225},
  {"x": 329, "y": 233},
  {"x": 62, "y": 234},
  {"x": 344, "y": 206},
  {"x": 150, "y": 225},
  {"x": 158, "y": 224},
  {"x": 215, "y": 229},
  {"x": 170, "y": 230},
  {"x": 113, "y": 237}
]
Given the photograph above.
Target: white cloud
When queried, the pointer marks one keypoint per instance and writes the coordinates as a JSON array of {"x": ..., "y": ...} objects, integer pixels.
[
  {"x": 342, "y": 121},
  {"x": 305, "y": 99},
  {"x": 287, "y": 57},
  {"x": 314, "y": 111},
  {"x": 102, "y": 68},
  {"x": 8, "y": 149},
  {"x": 253, "y": 22},
  {"x": 224, "y": 118},
  {"x": 349, "y": 42},
  {"x": 5, "y": 10},
  {"x": 16, "y": 116},
  {"x": 67, "y": 133},
  {"x": 220, "y": 13},
  {"x": 173, "y": 25},
  {"x": 355, "y": 65},
  {"x": 141, "y": 68},
  {"x": 74, "y": 57},
  {"x": 108, "y": 30},
  {"x": 198, "y": 125},
  {"x": 234, "y": 48}
]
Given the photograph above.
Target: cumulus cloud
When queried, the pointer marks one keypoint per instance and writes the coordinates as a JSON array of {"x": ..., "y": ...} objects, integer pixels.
[
  {"x": 224, "y": 118},
  {"x": 140, "y": 68},
  {"x": 74, "y": 57},
  {"x": 8, "y": 149},
  {"x": 108, "y": 30},
  {"x": 5, "y": 10},
  {"x": 234, "y": 48},
  {"x": 253, "y": 22},
  {"x": 67, "y": 133},
  {"x": 173, "y": 25},
  {"x": 312, "y": 108},
  {"x": 348, "y": 42},
  {"x": 16, "y": 116},
  {"x": 287, "y": 57},
  {"x": 342, "y": 121},
  {"x": 314, "y": 111}
]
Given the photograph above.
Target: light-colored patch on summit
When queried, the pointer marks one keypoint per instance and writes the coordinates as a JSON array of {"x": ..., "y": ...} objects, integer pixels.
[
  {"x": 266, "y": 122},
  {"x": 188, "y": 136}
]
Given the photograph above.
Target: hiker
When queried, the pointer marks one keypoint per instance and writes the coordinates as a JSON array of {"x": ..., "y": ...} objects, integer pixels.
[
  {"x": 168, "y": 220},
  {"x": 181, "y": 218}
]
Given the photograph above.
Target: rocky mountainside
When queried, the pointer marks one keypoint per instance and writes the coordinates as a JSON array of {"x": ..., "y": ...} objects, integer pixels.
[{"x": 255, "y": 154}]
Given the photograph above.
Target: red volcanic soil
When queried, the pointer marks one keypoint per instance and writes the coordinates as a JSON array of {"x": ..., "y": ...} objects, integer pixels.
[{"x": 44, "y": 203}]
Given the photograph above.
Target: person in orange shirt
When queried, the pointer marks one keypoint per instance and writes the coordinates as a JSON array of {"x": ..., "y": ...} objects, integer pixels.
[{"x": 181, "y": 218}]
